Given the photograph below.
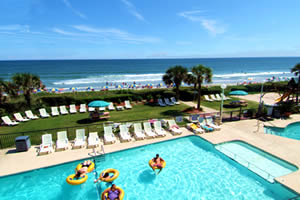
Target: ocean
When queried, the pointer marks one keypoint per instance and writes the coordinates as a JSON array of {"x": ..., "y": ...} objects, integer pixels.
[{"x": 99, "y": 73}]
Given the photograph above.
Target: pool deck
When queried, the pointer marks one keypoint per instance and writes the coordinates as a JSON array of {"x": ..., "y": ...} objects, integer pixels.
[{"x": 247, "y": 131}]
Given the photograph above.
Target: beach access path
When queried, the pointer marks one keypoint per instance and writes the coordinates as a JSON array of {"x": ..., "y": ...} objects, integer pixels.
[{"x": 268, "y": 98}]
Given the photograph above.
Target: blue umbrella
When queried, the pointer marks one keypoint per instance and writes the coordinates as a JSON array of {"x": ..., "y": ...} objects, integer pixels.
[
  {"x": 98, "y": 103},
  {"x": 238, "y": 92}
]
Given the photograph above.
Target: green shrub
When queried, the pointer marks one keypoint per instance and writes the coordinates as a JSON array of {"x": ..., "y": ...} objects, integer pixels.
[{"x": 149, "y": 97}]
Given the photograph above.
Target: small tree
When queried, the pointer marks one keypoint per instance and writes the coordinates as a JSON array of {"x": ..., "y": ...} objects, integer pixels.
[
  {"x": 27, "y": 83},
  {"x": 175, "y": 75},
  {"x": 296, "y": 71},
  {"x": 201, "y": 73}
]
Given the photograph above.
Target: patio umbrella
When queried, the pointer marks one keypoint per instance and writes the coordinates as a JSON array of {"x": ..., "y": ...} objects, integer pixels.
[
  {"x": 98, "y": 103},
  {"x": 54, "y": 90},
  {"x": 238, "y": 92}
]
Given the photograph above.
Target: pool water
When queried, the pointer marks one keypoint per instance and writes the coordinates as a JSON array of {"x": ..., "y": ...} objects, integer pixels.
[
  {"x": 291, "y": 131},
  {"x": 258, "y": 161},
  {"x": 195, "y": 170}
]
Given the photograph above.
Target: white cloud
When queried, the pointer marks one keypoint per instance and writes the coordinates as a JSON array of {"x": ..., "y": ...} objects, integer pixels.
[
  {"x": 63, "y": 32},
  {"x": 213, "y": 26},
  {"x": 68, "y": 4},
  {"x": 116, "y": 34},
  {"x": 15, "y": 27},
  {"x": 132, "y": 10}
]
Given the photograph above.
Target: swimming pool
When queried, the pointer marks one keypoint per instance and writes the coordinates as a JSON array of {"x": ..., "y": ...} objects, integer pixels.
[
  {"x": 194, "y": 170},
  {"x": 290, "y": 131}
]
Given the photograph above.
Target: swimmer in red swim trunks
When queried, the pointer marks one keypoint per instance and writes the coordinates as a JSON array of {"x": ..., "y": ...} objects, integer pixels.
[{"x": 157, "y": 162}]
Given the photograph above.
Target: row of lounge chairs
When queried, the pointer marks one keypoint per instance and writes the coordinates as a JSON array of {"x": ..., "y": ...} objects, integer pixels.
[
  {"x": 203, "y": 125},
  {"x": 215, "y": 97},
  {"x": 168, "y": 102},
  {"x": 93, "y": 140},
  {"x": 62, "y": 142},
  {"x": 56, "y": 111}
]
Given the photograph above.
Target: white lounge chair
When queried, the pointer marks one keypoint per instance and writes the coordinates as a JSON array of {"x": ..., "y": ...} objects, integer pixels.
[
  {"x": 30, "y": 115},
  {"x": 174, "y": 101},
  {"x": 47, "y": 144},
  {"x": 161, "y": 103},
  {"x": 63, "y": 110},
  {"x": 54, "y": 111},
  {"x": 92, "y": 109},
  {"x": 43, "y": 113},
  {"x": 210, "y": 122},
  {"x": 217, "y": 97},
  {"x": 120, "y": 108},
  {"x": 20, "y": 118},
  {"x": 109, "y": 137},
  {"x": 158, "y": 129},
  {"x": 205, "y": 126},
  {"x": 225, "y": 97},
  {"x": 138, "y": 131},
  {"x": 102, "y": 109},
  {"x": 124, "y": 134},
  {"x": 73, "y": 109},
  {"x": 111, "y": 107},
  {"x": 8, "y": 121},
  {"x": 62, "y": 140},
  {"x": 174, "y": 128},
  {"x": 80, "y": 138},
  {"x": 194, "y": 128},
  {"x": 82, "y": 108},
  {"x": 168, "y": 102},
  {"x": 213, "y": 97},
  {"x": 127, "y": 105},
  {"x": 148, "y": 130},
  {"x": 93, "y": 140},
  {"x": 207, "y": 98}
]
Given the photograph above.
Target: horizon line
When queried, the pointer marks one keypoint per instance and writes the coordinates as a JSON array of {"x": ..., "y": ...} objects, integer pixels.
[{"x": 68, "y": 59}]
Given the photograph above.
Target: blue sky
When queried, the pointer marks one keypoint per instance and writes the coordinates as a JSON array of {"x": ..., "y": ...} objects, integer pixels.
[{"x": 111, "y": 29}]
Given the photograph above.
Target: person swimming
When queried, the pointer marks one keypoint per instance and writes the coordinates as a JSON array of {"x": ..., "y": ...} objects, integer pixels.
[
  {"x": 83, "y": 170},
  {"x": 113, "y": 193},
  {"x": 157, "y": 162},
  {"x": 103, "y": 176}
]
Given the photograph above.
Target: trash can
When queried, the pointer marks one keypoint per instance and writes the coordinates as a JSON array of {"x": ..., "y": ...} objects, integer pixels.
[{"x": 22, "y": 143}]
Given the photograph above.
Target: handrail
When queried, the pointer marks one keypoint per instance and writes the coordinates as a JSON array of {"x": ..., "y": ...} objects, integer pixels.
[{"x": 235, "y": 156}]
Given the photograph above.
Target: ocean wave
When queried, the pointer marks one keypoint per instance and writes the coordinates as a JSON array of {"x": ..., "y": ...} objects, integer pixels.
[
  {"x": 249, "y": 74},
  {"x": 128, "y": 78},
  {"x": 150, "y": 78}
]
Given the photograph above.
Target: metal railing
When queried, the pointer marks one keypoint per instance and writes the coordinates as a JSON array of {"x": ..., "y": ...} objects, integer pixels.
[{"x": 249, "y": 165}]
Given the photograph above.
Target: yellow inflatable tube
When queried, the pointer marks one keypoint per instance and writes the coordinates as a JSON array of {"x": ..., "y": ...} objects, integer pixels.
[
  {"x": 70, "y": 179},
  {"x": 90, "y": 168},
  {"x": 121, "y": 196},
  {"x": 151, "y": 163},
  {"x": 110, "y": 179}
]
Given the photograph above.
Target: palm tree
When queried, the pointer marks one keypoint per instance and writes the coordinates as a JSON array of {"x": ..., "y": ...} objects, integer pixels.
[
  {"x": 6, "y": 89},
  {"x": 175, "y": 75},
  {"x": 296, "y": 71},
  {"x": 201, "y": 73},
  {"x": 26, "y": 82}
]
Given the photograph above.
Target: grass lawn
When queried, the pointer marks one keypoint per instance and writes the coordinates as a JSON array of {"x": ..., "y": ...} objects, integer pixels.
[
  {"x": 216, "y": 104},
  {"x": 138, "y": 112}
]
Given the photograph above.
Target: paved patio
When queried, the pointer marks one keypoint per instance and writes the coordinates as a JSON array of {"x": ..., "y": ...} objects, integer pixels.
[{"x": 247, "y": 130}]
